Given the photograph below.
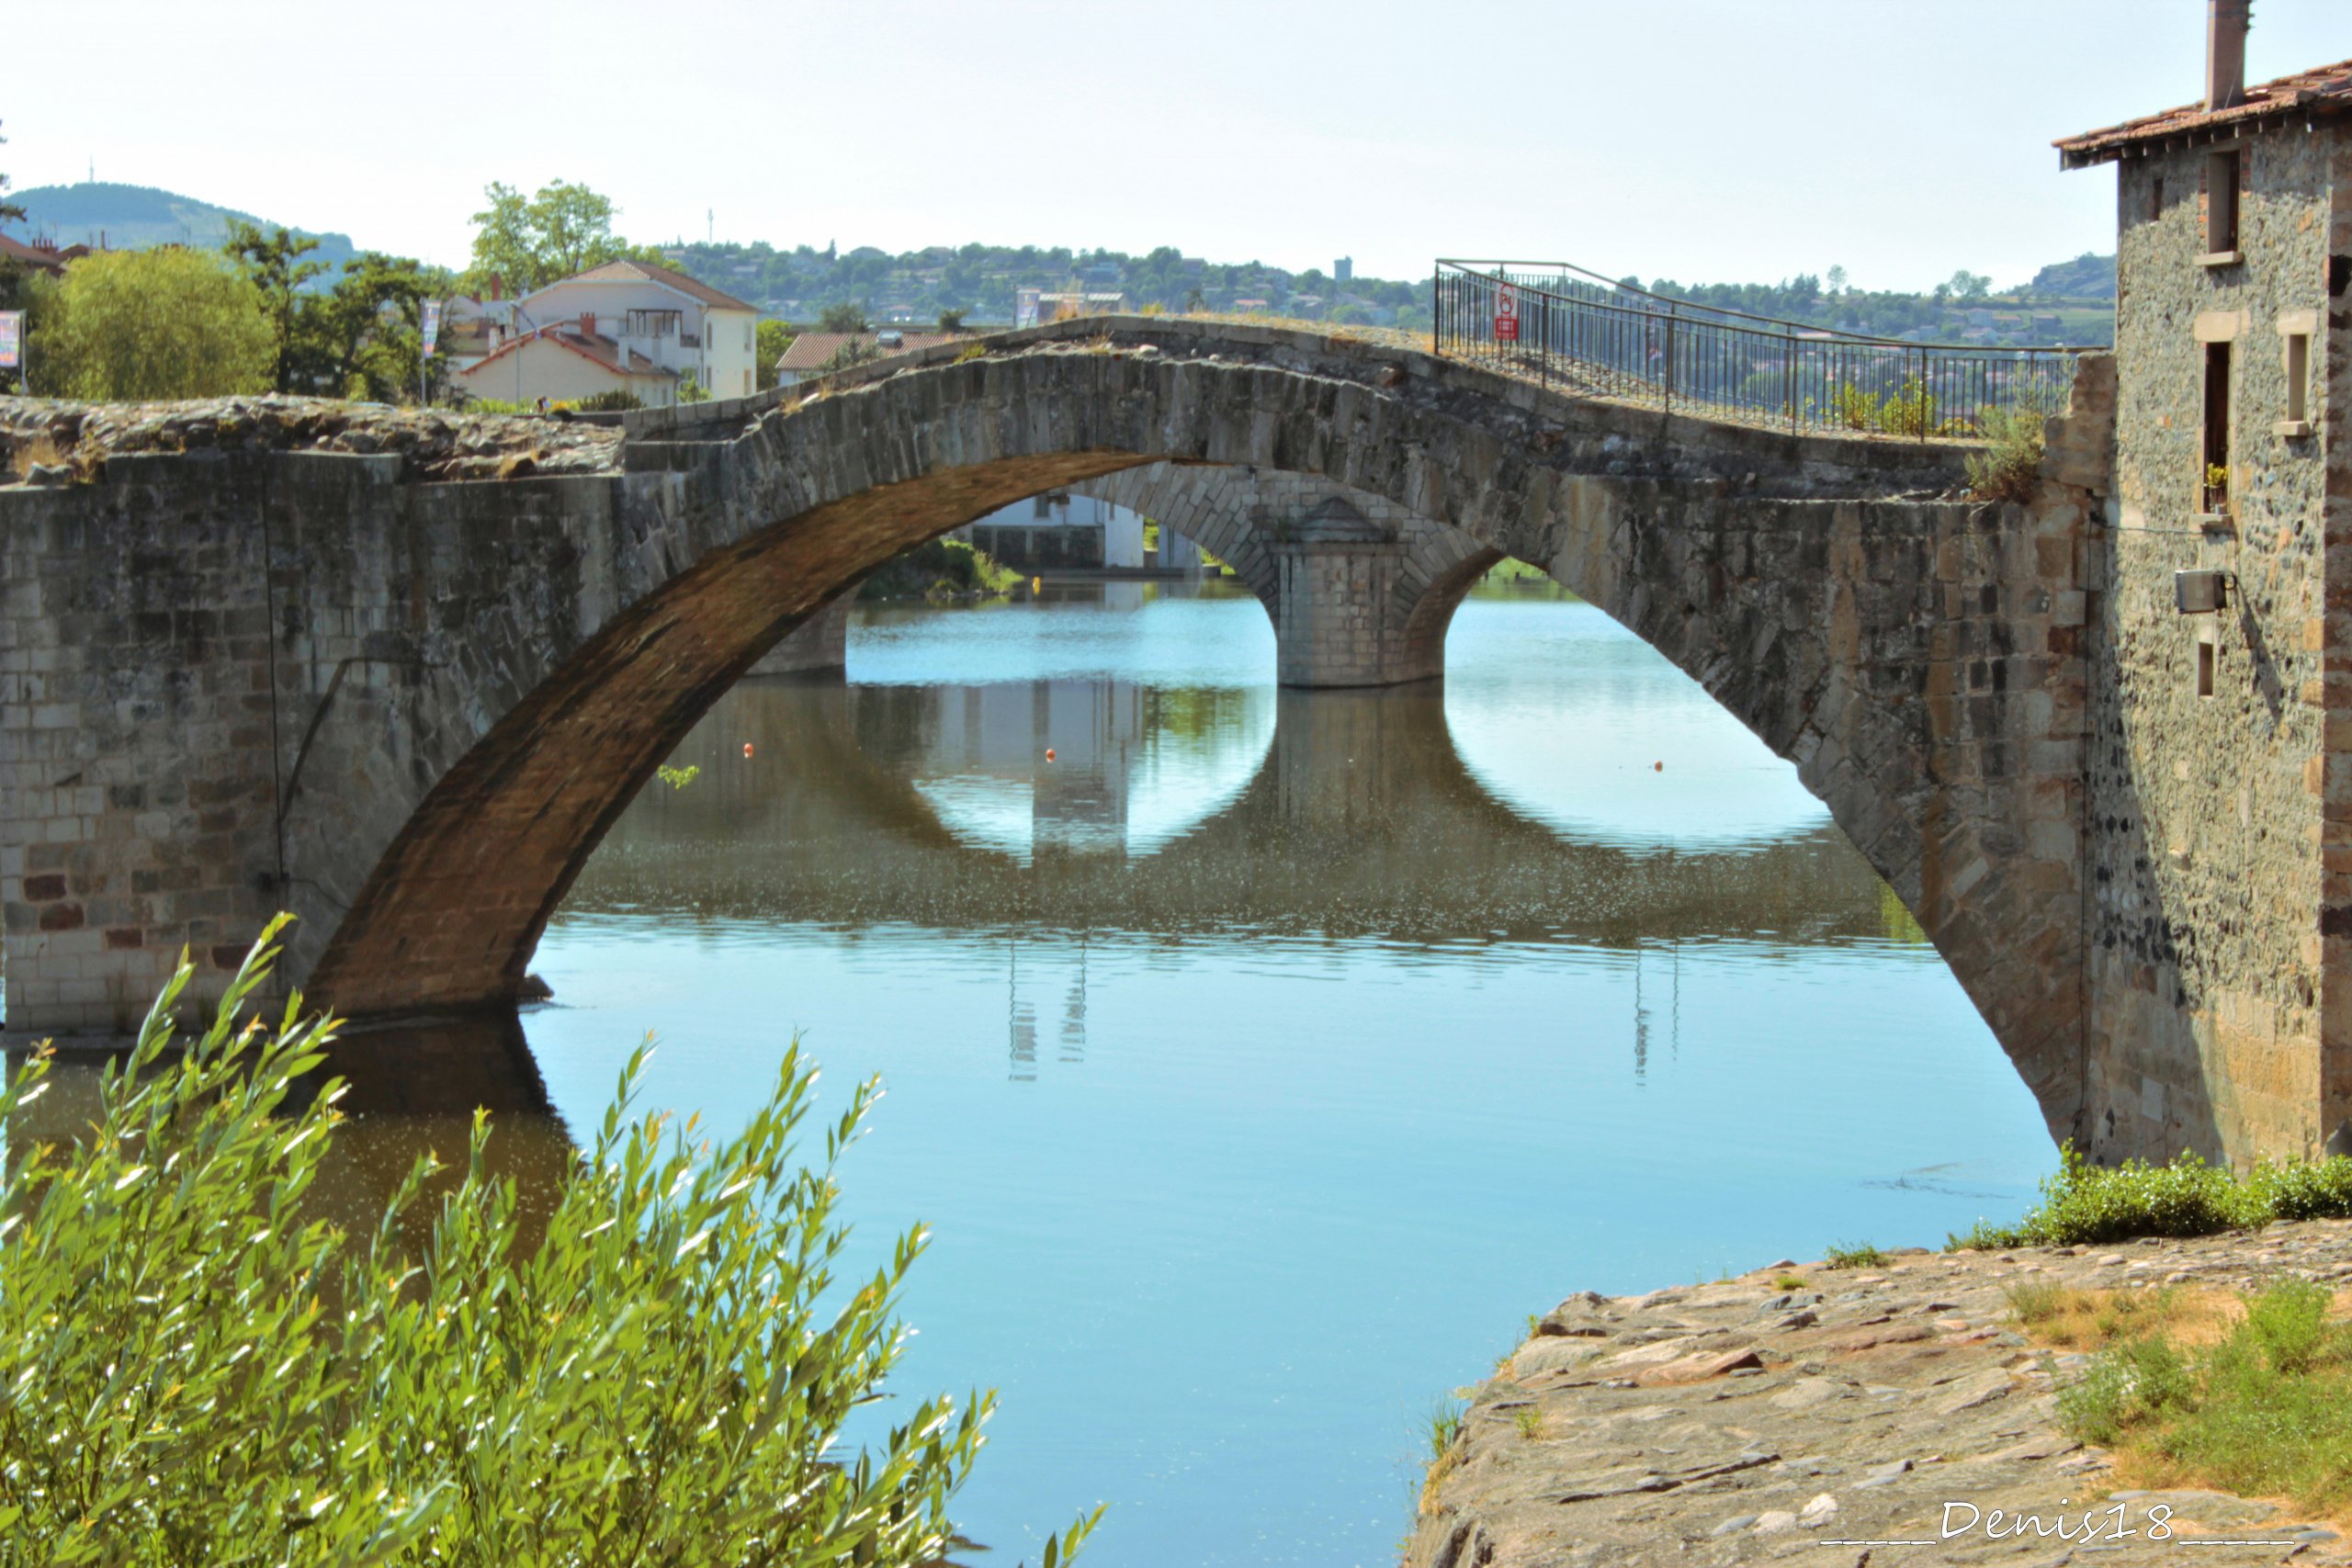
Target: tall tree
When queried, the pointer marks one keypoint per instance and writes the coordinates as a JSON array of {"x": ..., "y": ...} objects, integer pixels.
[
  {"x": 770, "y": 339},
  {"x": 273, "y": 263},
  {"x": 127, "y": 325},
  {"x": 530, "y": 241},
  {"x": 362, "y": 340}
]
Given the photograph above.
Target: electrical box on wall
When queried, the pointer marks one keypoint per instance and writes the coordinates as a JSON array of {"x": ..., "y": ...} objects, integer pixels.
[{"x": 2199, "y": 592}]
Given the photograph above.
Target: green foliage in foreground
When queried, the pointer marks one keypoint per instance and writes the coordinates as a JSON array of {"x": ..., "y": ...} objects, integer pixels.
[
  {"x": 191, "y": 1370},
  {"x": 2266, "y": 1412},
  {"x": 2084, "y": 1204},
  {"x": 1863, "y": 1254}
]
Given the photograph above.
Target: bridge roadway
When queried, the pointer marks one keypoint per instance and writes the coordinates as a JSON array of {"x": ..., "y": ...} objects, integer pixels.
[{"x": 410, "y": 707}]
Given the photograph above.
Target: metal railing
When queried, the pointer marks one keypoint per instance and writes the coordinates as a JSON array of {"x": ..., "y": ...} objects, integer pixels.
[{"x": 1564, "y": 326}]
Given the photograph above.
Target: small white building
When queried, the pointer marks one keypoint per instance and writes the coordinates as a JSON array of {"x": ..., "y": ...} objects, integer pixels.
[{"x": 625, "y": 326}]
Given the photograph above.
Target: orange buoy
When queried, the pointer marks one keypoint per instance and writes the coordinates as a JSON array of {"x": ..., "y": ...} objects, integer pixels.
[
  {"x": 1049, "y": 753},
  {"x": 747, "y": 748},
  {"x": 1655, "y": 767}
]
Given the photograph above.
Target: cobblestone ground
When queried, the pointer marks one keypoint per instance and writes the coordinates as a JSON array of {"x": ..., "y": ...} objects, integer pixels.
[{"x": 1876, "y": 1416}]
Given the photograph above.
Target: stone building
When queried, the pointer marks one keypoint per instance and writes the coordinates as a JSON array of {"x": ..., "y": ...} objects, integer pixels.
[{"x": 2219, "y": 770}]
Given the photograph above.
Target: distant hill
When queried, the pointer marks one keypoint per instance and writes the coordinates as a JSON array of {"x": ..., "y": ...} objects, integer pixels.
[
  {"x": 2087, "y": 276},
  {"x": 131, "y": 218}
]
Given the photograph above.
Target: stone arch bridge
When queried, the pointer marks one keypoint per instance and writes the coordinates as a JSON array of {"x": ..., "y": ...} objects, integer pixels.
[{"x": 405, "y": 692}]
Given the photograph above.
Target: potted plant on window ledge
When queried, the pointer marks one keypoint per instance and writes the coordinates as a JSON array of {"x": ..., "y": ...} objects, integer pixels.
[{"x": 2215, "y": 510}]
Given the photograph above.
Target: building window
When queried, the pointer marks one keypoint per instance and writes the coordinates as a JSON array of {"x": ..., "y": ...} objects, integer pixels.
[
  {"x": 2155, "y": 199},
  {"x": 1043, "y": 506},
  {"x": 2299, "y": 375},
  {"x": 2213, "y": 470},
  {"x": 2221, "y": 179},
  {"x": 2204, "y": 668}
]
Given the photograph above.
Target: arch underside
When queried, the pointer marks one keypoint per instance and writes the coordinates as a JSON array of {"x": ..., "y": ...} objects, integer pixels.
[{"x": 1810, "y": 616}]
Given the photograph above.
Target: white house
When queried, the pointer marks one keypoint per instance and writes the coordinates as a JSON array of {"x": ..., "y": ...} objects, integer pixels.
[{"x": 625, "y": 326}]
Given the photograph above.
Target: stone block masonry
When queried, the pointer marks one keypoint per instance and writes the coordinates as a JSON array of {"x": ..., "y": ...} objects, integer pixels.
[{"x": 418, "y": 705}]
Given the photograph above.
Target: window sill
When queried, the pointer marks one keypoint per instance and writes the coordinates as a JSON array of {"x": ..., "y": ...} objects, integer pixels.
[
  {"x": 2217, "y": 521},
  {"x": 2221, "y": 258},
  {"x": 2290, "y": 428}
]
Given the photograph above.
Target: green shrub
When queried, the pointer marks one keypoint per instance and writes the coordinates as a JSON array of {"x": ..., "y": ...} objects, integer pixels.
[
  {"x": 2085, "y": 1205},
  {"x": 192, "y": 1370},
  {"x": 939, "y": 568},
  {"x": 2014, "y": 442}
]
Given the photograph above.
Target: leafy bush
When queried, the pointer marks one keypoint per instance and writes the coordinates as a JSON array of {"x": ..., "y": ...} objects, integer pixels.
[
  {"x": 2014, "y": 442},
  {"x": 192, "y": 1370},
  {"x": 614, "y": 400},
  {"x": 2084, "y": 1204},
  {"x": 939, "y": 568}
]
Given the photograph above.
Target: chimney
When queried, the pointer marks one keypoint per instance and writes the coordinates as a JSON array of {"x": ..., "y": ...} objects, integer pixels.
[
  {"x": 496, "y": 285},
  {"x": 587, "y": 324},
  {"x": 2225, "y": 25}
]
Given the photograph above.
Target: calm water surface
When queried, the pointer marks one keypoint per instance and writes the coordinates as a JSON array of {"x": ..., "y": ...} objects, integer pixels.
[{"x": 1262, "y": 1059}]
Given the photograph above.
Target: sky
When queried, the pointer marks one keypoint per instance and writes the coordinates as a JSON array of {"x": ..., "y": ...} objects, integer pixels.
[{"x": 1702, "y": 141}]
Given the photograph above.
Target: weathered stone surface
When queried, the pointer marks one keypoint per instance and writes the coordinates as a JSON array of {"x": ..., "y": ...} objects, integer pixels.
[{"x": 1905, "y": 1389}]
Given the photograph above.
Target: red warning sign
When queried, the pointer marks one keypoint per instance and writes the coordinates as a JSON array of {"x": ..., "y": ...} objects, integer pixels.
[{"x": 1506, "y": 313}]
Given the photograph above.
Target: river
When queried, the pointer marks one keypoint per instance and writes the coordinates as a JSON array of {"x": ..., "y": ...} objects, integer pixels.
[{"x": 1261, "y": 1058}]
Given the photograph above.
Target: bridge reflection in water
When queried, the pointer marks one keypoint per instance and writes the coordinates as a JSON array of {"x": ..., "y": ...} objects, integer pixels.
[{"x": 1180, "y": 816}]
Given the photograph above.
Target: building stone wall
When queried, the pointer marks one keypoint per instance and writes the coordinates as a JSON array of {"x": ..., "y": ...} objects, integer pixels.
[{"x": 2213, "y": 817}]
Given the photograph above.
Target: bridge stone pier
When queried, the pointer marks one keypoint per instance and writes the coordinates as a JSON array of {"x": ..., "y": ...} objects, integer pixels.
[
  {"x": 1360, "y": 590},
  {"x": 407, "y": 703}
]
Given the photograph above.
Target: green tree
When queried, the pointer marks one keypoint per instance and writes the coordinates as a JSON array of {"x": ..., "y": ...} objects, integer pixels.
[
  {"x": 847, "y": 316},
  {"x": 1971, "y": 285},
  {"x": 951, "y": 320},
  {"x": 530, "y": 241},
  {"x": 362, "y": 340},
  {"x": 129, "y": 325},
  {"x": 273, "y": 263},
  {"x": 770, "y": 339},
  {"x": 198, "y": 1365}
]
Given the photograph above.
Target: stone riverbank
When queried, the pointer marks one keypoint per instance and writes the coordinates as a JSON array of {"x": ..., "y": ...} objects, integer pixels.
[{"x": 1855, "y": 1419}]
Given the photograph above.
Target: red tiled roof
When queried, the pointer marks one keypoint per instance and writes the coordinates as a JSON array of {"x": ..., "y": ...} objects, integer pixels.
[
  {"x": 2321, "y": 90},
  {"x": 595, "y": 347},
  {"x": 810, "y": 350},
  {"x": 48, "y": 258},
  {"x": 645, "y": 272}
]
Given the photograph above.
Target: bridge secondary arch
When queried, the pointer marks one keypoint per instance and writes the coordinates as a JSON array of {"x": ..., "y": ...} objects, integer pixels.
[{"x": 544, "y": 644}]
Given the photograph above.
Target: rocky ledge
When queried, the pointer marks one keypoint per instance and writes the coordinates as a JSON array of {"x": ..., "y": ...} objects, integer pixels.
[
  {"x": 45, "y": 442},
  {"x": 1876, "y": 1416}
]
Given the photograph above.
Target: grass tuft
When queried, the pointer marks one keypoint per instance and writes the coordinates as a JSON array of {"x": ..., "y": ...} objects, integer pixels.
[
  {"x": 1789, "y": 1283},
  {"x": 1864, "y": 1256}
]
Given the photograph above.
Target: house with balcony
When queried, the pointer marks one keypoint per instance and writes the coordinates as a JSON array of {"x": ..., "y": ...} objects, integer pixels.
[{"x": 626, "y": 326}]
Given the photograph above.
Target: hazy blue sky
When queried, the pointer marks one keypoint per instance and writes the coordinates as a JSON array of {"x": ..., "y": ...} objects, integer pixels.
[{"x": 1700, "y": 140}]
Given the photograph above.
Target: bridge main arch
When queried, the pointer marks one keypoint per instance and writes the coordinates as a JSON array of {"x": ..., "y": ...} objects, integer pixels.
[{"x": 529, "y": 651}]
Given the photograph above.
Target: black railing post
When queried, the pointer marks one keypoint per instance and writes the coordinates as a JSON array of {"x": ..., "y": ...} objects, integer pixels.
[{"x": 1669, "y": 359}]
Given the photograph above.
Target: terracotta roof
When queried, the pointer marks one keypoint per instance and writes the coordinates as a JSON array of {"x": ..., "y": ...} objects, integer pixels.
[
  {"x": 810, "y": 350},
  {"x": 595, "y": 347},
  {"x": 48, "y": 258},
  {"x": 645, "y": 272},
  {"x": 2321, "y": 90}
]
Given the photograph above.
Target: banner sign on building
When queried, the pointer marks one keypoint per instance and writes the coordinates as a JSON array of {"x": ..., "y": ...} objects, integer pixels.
[
  {"x": 12, "y": 339},
  {"x": 432, "y": 323}
]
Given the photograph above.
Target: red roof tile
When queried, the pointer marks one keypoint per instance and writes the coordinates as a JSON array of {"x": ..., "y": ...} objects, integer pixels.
[
  {"x": 645, "y": 272},
  {"x": 810, "y": 350},
  {"x": 596, "y": 347},
  {"x": 2321, "y": 90}
]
